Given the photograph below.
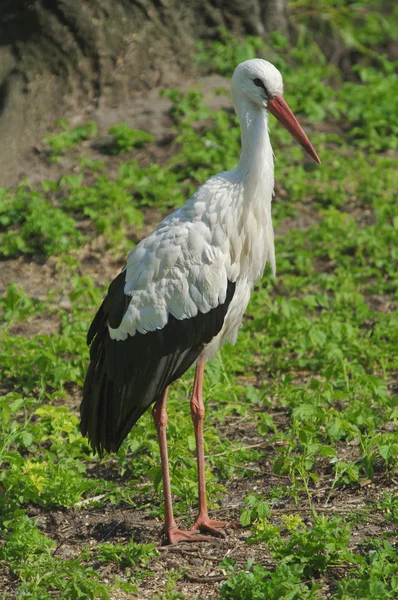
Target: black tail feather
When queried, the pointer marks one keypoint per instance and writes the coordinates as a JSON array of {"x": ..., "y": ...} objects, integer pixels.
[{"x": 125, "y": 377}]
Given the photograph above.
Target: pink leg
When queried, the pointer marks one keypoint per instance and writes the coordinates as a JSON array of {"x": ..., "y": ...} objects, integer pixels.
[
  {"x": 198, "y": 412},
  {"x": 171, "y": 530}
]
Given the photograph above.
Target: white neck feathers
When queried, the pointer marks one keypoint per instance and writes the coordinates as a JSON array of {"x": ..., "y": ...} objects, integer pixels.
[
  {"x": 256, "y": 155},
  {"x": 255, "y": 172}
]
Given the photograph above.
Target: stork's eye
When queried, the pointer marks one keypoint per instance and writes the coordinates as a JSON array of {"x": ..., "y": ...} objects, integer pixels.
[{"x": 258, "y": 83}]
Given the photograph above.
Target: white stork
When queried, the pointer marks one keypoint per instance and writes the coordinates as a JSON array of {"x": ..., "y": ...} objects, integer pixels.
[{"x": 185, "y": 289}]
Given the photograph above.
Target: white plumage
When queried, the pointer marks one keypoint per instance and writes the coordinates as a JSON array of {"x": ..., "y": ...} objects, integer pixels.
[{"x": 223, "y": 233}]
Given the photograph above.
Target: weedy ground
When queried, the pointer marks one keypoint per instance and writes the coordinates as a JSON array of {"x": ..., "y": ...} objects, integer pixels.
[{"x": 302, "y": 412}]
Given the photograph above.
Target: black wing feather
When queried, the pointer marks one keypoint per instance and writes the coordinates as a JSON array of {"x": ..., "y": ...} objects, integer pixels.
[{"x": 125, "y": 377}]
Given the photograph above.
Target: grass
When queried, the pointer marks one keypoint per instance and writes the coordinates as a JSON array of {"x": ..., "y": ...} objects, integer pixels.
[
  {"x": 58, "y": 143},
  {"x": 311, "y": 382},
  {"x": 126, "y": 139}
]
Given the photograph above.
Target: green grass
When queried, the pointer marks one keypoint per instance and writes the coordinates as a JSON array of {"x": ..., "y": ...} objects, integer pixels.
[
  {"x": 318, "y": 348},
  {"x": 126, "y": 139},
  {"x": 30, "y": 224},
  {"x": 372, "y": 576},
  {"x": 69, "y": 137}
]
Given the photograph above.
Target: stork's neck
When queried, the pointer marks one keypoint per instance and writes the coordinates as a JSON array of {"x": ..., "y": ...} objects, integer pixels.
[
  {"x": 256, "y": 159},
  {"x": 255, "y": 175}
]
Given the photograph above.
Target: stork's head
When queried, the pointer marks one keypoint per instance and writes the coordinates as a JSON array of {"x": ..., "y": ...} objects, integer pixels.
[{"x": 260, "y": 83}]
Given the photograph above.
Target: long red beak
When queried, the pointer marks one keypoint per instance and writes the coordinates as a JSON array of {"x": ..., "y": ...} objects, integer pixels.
[{"x": 280, "y": 109}]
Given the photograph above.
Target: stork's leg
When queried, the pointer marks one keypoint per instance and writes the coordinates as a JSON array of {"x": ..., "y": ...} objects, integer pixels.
[
  {"x": 171, "y": 530},
  {"x": 198, "y": 412}
]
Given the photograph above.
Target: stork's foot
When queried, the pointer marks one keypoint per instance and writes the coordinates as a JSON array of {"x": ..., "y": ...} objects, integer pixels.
[
  {"x": 203, "y": 523},
  {"x": 175, "y": 536}
]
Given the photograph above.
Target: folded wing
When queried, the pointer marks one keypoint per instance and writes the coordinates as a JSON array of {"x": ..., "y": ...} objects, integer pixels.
[{"x": 158, "y": 316}]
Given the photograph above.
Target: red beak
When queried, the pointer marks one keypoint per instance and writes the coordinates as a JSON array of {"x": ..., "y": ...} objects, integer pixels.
[{"x": 280, "y": 109}]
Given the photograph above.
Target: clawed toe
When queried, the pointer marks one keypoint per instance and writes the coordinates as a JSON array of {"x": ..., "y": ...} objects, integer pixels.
[
  {"x": 175, "y": 536},
  {"x": 202, "y": 524},
  {"x": 213, "y": 527}
]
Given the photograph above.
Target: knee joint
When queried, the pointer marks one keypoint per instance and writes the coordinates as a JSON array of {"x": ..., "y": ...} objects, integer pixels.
[{"x": 197, "y": 411}]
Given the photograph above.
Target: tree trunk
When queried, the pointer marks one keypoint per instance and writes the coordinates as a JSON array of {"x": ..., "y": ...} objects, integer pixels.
[{"x": 61, "y": 55}]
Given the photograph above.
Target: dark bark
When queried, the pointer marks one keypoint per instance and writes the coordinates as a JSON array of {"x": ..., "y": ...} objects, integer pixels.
[{"x": 61, "y": 55}]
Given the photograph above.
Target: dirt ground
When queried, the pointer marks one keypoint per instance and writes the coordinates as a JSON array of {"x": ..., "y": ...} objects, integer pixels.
[{"x": 198, "y": 563}]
